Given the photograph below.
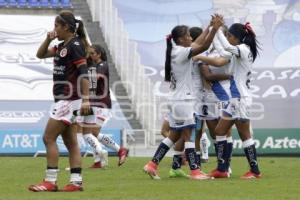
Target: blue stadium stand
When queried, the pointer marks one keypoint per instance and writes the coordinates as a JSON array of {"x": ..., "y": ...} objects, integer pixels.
[
  {"x": 54, "y": 4},
  {"x": 22, "y": 3},
  {"x": 33, "y": 4},
  {"x": 12, "y": 3},
  {"x": 3, "y": 4},
  {"x": 44, "y": 4},
  {"x": 66, "y": 4}
]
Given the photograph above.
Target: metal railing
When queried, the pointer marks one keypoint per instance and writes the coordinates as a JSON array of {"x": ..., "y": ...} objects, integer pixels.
[{"x": 127, "y": 61}]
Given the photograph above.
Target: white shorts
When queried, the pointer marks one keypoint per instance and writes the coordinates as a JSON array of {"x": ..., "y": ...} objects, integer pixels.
[
  {"x": 181, "y": 114},
  {"x": 99, "y": 117},
  {"x": 237, "y": 108},
  {"x": 63, "y": 110}
]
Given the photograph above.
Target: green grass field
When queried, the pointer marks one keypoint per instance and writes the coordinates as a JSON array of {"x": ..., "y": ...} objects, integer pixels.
[{"x": 281, "y": 181}]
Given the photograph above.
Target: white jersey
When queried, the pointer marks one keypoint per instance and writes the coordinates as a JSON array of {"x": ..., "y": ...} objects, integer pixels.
[
  {"x": 242, "y": 69},
  {"x": 181, "y": 87},
  {"x": 241, "y": 63},
  {"x": 197, "y": 80},
  {"x": 219, "y": 90}
]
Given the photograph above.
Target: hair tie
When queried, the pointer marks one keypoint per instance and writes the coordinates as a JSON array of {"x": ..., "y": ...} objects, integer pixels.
[
  {"x": 169, "y": 37},
  {"x": 248, "y": 28}
]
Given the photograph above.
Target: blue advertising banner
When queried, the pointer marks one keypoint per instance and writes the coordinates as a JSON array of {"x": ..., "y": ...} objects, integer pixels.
[{"x": 31, "y": 141}]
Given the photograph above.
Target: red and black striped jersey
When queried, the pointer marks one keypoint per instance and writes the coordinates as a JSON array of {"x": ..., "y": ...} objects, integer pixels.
[
  {"x": 99, "y": 85},
  {"x": 65, "y": 73}
]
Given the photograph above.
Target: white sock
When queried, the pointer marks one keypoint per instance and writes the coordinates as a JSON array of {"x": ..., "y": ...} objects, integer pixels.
[
  {"x": 107, "y": 141},
  {"x": 93, "y": 142},
  {"x": 248, "y": 143},
  {"x": 204, "y": 146},
  {"x": 76, "y": 178},
  {"x": 51, "y": 175},
  {"x": 97, "y": 158}
]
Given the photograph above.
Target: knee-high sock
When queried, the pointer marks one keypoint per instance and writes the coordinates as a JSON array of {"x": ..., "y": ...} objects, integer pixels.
[
  {"x": 162, "y": 149},
  {"x": 109, "y": 142},
  {"x": 250, "y": 151}
]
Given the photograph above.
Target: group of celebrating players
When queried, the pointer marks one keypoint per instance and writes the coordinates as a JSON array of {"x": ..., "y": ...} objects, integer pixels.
[{"x": 209, "y": 76}]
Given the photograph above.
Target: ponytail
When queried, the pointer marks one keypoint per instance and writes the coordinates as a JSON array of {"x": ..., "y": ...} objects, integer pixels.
[
  {"x": 66, "y": 18},
  {"x": 250, "y": 40},
  {"x": 246, "y": 35},
  {"x": 81, "y": 33},
  {"x": 168, "y": 59}
]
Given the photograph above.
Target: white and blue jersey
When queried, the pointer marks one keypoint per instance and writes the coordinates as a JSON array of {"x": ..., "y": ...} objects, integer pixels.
[
  {"x": 239, "y": 90},
  {"x": 216, "y": 92},
  {"x": 182, "y": 95}
]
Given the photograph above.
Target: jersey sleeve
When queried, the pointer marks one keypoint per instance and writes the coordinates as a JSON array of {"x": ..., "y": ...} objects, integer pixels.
[
  {"x": 102, "y": 68},
  {"x": 226, "y": 45},
  {"x": 182, "y": 53},
  {"x": 245, "y": 52},
  {"x": 77, "y": 53},
  {"x": 218, "y": 46}
]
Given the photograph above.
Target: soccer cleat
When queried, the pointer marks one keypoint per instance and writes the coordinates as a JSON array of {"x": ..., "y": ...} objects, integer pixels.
[
  {"x": 123, "y": 152},
  {"x": 251, "y": 175},
  {"x": 218, "y": 174},
  {"x": 72, "y": 188},
  {"x": 151, "y": 169},
  {"x": 177, "y": 173},
  {"x": 45, "y": 186},
  {"x": 196, "y": 174},
  {"x": 97, "y": 165}
]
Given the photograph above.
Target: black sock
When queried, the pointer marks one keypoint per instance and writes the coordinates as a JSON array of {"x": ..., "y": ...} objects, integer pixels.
[
  {"x": 252, "y": 158},
  {"x": 221, "y": 155},
  {"x": 177, "y": 160},
  {"x": 191, "y": 157},
  {"x": 52, "y": 167},
  {"x": 216, "y": 152},
  {"x": 160, "y": 153},
  {"x": 198, "y": 159},
  {"x": 76, "y": 170},
  {"x": 229, "y": 153}
]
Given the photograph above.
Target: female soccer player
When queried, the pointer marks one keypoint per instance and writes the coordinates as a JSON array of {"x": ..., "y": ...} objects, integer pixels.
[
  {"x": 215, "y": 72},
  {"x": 69, "y": 68},
  {"x": 98, "y": 73},
  {"x": 178, "y": 70},
  {"x": 241, "y": 42}
]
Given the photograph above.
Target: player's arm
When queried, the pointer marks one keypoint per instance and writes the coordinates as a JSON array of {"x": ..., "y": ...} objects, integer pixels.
[
  {"x": 203, "y": 42},
  {"x": 214, "y": 61},
  {"x": 226, "y": 45},
  {"x": 208, "y": 76},
  {"x": 44, "y": 51},
  {"x": 84, "y": 86}
]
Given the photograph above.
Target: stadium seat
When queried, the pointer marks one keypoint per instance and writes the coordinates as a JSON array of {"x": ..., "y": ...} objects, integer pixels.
[
  {"x": 66, "y": 3},
  {"x": 54, "y": 3},
  {"x": 22, "y": 3},
  {"x": 33, "y": 3},
  {"x": 3, "y": 3},
  {"x": 12, "y": 3},
  {"x": 44, "y": 4}
]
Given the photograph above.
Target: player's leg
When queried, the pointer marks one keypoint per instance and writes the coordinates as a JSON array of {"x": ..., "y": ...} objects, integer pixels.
[
  {"x": 176, "y": 170},
  {"x": 70, "y": 140},
  {"x": 222, "y": 148},
  {"x": 151, "y": 167},
  {"x": 52, "y": 131},
  {"x": 243, "y": 127}
]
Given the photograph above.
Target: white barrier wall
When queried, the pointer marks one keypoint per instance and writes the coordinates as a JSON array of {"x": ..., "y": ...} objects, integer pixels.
[{"x": 127, "y": 62}]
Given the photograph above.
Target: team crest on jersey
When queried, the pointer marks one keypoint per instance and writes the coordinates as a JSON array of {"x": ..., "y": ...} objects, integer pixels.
[
  {"x": 77, "y": 43},
  {"x": 63, "y": 52}
]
